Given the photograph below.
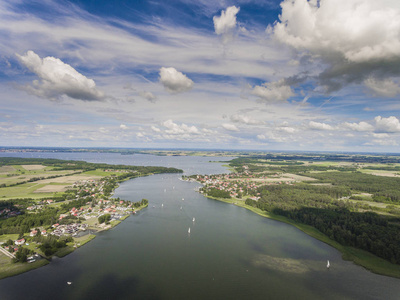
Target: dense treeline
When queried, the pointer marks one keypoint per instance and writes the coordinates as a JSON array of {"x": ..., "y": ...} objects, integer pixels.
[
  {"x": 291, "y": 197},
  {"x": 24, "y": 222},
  {"x": 82, "y": 165},
  {"x": 255, "y": 165},
  {"x": 356, "y": 158},
  {"x": 386, "y": 188},
  {"x": 367, "y": 231},
  {"x": 218, "y": 193}
]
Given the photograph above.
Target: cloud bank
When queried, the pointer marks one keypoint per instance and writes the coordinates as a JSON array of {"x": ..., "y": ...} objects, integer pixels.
[{"x": 357, "y": 40}]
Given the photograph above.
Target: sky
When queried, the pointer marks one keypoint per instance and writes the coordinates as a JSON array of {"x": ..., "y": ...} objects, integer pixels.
[{"x": 317, "y": 75}]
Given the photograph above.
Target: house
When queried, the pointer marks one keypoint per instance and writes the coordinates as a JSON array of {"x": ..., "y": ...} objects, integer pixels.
[
  {"x": 20, "y": 241},
  {"x": 44, "y": 232},
  {"x": 33, "y": 233}
]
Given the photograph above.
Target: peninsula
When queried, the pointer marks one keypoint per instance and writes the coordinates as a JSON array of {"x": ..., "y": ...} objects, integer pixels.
[{"x": 50, "y": 207}]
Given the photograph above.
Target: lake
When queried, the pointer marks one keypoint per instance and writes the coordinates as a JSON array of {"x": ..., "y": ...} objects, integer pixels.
[{"x": 230, "y": 252}]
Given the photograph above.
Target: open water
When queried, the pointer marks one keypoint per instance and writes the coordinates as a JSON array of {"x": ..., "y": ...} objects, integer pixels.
[{"x": 230, "y": 253}]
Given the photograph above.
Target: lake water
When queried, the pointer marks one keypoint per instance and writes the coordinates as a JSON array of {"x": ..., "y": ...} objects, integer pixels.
[{"x": 230, "y": 253}]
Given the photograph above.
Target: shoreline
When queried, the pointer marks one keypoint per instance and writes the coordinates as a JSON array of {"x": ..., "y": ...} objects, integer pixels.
[
  {"x": 360, "y": 257},
  {"x": 15, "y": 269}
]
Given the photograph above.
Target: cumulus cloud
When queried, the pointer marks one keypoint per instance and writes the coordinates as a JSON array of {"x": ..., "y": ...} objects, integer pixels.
[
  {"x": 319, "y": 126},
  {"x": 287, "y": 129},
  {"x": 238, "y": 118},
  {"x": 148, "y": 96},
  {"x": 225, "y": 24},
  {"x": 355, "y": 39},
  {"x": 58, "y": 79},
  {"x": 123, "y": 126},
  {"x": 230, "y": 127},
  {"x": 174, "y": 81},
  {"x": 273, "y": 91},
  {"x": 361, "y": 126},
  {"x": 173, "y": 128},
  {"x": 390, "y": 124}
]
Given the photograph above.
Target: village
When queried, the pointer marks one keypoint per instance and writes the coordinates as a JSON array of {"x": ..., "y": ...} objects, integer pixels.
[
  {"x": 92, "y": 211},
  {"x": 241, "y": 184}
]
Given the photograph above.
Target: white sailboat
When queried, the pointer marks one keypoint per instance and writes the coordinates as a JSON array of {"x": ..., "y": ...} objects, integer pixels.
[
  {"x": 194, "y": 219},
  {"x": 189, "y": 230},
  {"x": 328, "y": 265},
  {"x": 162, "y": 205},
  {"x": 183, "y": 199}
]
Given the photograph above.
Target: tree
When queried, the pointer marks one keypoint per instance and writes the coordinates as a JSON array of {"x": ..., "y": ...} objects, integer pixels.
[{"x": 104, "y": 218}]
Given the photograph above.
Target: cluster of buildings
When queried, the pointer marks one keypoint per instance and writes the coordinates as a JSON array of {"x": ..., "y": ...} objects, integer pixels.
[
  {"x": 239, "y": 184},
  {"x": 8, "y": 213},
  {"x": 72, "y": 229},
  {"x": 234, "y": 186},
  {"x": 39, "y": 205}
]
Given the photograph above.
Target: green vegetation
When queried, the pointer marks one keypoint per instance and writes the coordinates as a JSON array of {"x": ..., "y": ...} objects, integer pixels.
[{"x": 104, "y": 218}]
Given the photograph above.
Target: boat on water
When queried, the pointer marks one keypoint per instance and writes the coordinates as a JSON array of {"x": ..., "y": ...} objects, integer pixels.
[
  {"x": 189, "y": 230},
  {"x": 183, "y": 199},
  {"x": 69, "y": 282},
  {"x": 328, "y": 265},
  {"x": 194, "y": 219}
]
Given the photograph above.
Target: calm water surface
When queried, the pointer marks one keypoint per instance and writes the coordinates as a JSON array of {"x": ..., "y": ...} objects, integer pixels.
[{"x": 230, "y": 252}]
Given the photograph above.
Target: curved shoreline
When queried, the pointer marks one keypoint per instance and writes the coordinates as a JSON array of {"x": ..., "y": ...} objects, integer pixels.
[{"x": 360, "y": 257}]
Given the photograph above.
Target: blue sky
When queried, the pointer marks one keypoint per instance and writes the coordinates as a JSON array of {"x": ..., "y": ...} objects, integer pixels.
[{"x": 266, "y": 75}]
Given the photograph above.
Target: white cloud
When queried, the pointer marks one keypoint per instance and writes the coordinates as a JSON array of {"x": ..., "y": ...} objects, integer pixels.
[
  {"x": 174, "y": 81},
  {"x": 287, "y": 129},
  {"x": 226, "y": 23},
  {"x": 261, "y": 137},
  {"x": 174, "y": 128},
  {"x": 273, "y": 91},
  {"x": 58, "y": 79},
  {"x": 238, "y": 118},
  {"x": 148, "y": 96},
  {"x": 355, "y": 39},
  {"x": 385, "y": 142},
  {"x": 319, "y": 126},
  {"x": 361, "y": 126},
  {"x": 123, "y": 126},
  {"x": 380, "y": 135},
  {"x": 230, "y": 127},
  {"x": 155, "y": 129},
  {"x": 390, "y": 124}
]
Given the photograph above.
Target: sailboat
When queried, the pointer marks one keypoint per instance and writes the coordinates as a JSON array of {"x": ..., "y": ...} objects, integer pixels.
[
  {"x": 194, "y": 219},
  {"x": 183, "y": 199},
  {"x": 189, "y": 230},
  {"x": 162, "y": 205},
  {"x": 328, "y": 265}
]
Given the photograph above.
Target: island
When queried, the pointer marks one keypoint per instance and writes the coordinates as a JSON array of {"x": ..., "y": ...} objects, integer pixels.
[{"x": 51, "y": 207}]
